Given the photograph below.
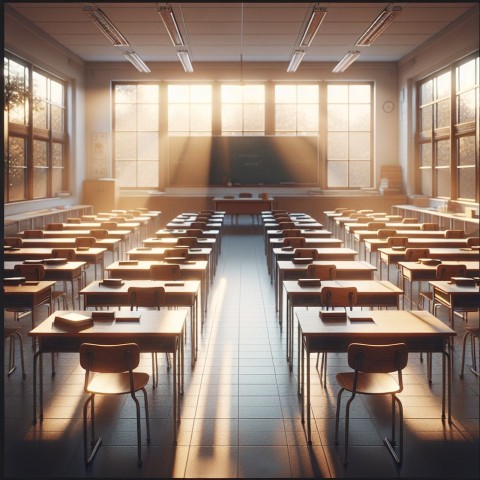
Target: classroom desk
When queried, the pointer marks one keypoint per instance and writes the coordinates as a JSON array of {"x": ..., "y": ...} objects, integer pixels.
[
  {"x": 157, "y": 331},
  {"x": 243, "y": 206},
  {"x": 68, "y": 272},
  {"x": 420, "y": 330},
  {"x": 391, "y": 256},
  {"x": 346, "y": 270},
  {"x": 418, "y": 272},
  {"x": 357, "y": 232},
  {"x": 140, "y": 270},
  {"x": 325, "y": 251},
  {"x": 28, "y": 295},
  {"x": 181, "y": 224},
  {"x": 93, "y": 255},
  {"x": 455, "y": 297},
  {"x": 178, "y": 294},
  {"x": 370, "y": 293},
  {"x": 176, "y": 232},
  {"x": 111, "y": 244},
  {"x": 136, "y": 229},
  {"x": 416, "y": 239},
  {"x": 340, "y": 222},
  {"x": 171, "y": 242}
]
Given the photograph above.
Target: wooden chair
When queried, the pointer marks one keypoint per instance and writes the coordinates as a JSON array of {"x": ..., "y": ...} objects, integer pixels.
[
  {"x": 194, "y": 232},
  {"x": 85, "y": 242},
  {"x": 11, "y": 333},
  {"x": 109, "y": 225},
  {"x": 109, "y": 370},
  {"x": 291, "y": 232},
  {"x": 397, "y": 242},
  {"x": 335, "y": 297},
  {"x": 295, "y": 242},
  {"x": 99, "y": 233},
  {"x": 376, "y": 225},
  {"x": 285, "y": 225},
  {"x": 410, "y": 220},
  {"x": 165, "y": 272},
  {"x": 372, "y": 365},
  {"x": 74, "y": 220},
  {"x": 362, "y": 219},
  {"x": 71, "y": 255},
  {"x": 200, "y": 225},
  {"x": 322, "y": 272},
  {"x": 413, "y": 254},
  {"x": 33, "y": 234},
  {"x": 177, "y": 252},
  {"x": 187, "y": 241},
  {"x": 454, "y": 234},
  {"x": 385, "y": 233},
  {"x": 54, "y": 226},
  {"x": 429, "y": 226},
  {"x": 306, "y": 253},
  {"x": 473, "y": 241},
  {"x": 13, "y": 241},
  {"x": 149, "y": 297}
]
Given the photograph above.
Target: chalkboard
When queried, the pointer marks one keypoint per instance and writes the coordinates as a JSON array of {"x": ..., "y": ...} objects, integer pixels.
[{"x": 265, "y": 160}]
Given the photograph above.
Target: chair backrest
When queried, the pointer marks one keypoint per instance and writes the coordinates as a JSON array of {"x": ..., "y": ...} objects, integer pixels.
[
  {"x": 201, "y": 225},
  {"x": 165, "y": 272},
  {"x": 429, "y": 226},
  {"x": 74, "y": 220},
  {"x": 354, "y": 216},
  {"x": 177, "y": 252},
  {"x": 286, "y": 225},
  {"x": 394, "y": 218},
  {"x": 30, "y": 271},
  {"x": 322, "y": 272},
  {"x": 376, "y": 225},
  {"x": 135, "y": 213},
  {"x": 364, "y": 211},
  {"x": 454, "y": 234},
  {"x": 143, "y": 209},
  {"x": 473, "y": 241},
  {"x": 194, "y": 232},
  {"x": 378, "y": 358},
  {"x": 306, "y": 253},
  {"x": 120, "y": 219},
  {"x": 85, "y": 242},
  {"x": 13, "y": 241},
  {"x": 347, "y": 213},
  {"x": 295, "y": 242},
  {"x": 384, "y": 233},
  {"x": 207, "y": 212},
  {"x": 109, "y": 358},
  {"x": 340, "y": 209},
  {"x": 245, "y": 195},
  {"x": 339, "y": 296},
  {"x": 187, "y": 241},
  {"x": 54, "y": 226},
  {"x": 362, "y": 219},
  {"x": 99, "y": 233},
  {"x": 291, "y": 232},
  {"x": 68, "y": 253},
  {"x": 397, "y": 242},
  {"x": 109, "y": 225},
  {"x": 410, "y": 220},
  {"x": 33, "y": 234},
  {"x": 413, "y": 254},
  {"x": 146, "y": 297},
  {"x": 447, "y": 271}
]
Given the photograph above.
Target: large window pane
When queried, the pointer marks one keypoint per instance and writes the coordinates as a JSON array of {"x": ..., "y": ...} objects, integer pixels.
[
  {"x": 337, "y": 176},
  {"x": 426, "y": 178},
  {"x": 443, "y": 182},
  {"x": 443, "y": 153},
  {"x": 466, "y": 150},
  {"x": 466, "y": 183},
  {"x": 426, "y": 155},
  {"x": 17, "y": 164}
]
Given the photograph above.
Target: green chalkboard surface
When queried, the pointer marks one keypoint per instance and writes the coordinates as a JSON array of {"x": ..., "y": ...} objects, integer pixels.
[{"x": 265, "y": 160}]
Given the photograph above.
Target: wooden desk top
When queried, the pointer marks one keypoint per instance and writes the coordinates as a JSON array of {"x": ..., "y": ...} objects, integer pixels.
[
  {"x": 73, "y": 233},
  {"x": 325, "y": 253},
  {"x": 40, "y": 253},
  {"x": 98, "y": 224},
  {"x": 386, "y": 323},
  {"x": 29, "y": 289},
  {"x": 363, "y": 286},
  {"x": 454, "y": 289},
  {"x": 144, "y": 266},
  {"x": 108, "y": 243},
  {"x": 168, "y": 242},
  {"x": 182, "y": 286},
  {"x": 66, "y": 267},
  {"x": 374, "y": 244},
  {"x": 441, "y": 253},
  {"x": 355, "y": 227},
  {"x": 342, "y": 265},
  {"x": 428, "y": 272},
  {"x": 152, "y": 323}
]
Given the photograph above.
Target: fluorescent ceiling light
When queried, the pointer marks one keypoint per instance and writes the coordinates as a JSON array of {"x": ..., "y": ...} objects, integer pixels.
[
  {"x": 295, "y": 61},
  {"x": 346, "y": 61},
  {"x": 379, "y": 25},
  {"x": 185, "y": 60},
  {"x": 314, "y": 22},
  {"x": 106, "y": 26},
  {"x": 137, "y": 62},
  {"x": 168, "y": 18}
]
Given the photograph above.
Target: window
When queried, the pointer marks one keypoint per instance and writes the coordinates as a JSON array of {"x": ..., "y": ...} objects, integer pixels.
[
  {"x": 243, "y": 109},
  {"x": 35, "y": 156},
  {"x": 349, "y": 136},
  {"x": 136, "y": 134},
  {"x": 296, "y": 109},
  {"x": 189, "y": 110},
  {"x": 448, "y": 141}
]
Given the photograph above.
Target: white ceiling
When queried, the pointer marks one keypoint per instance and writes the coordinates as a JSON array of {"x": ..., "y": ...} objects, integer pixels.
[{"x": 215, "y": 32}]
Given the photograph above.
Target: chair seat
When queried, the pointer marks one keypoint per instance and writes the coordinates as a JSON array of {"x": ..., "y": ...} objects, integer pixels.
[
  {"x": 116, "y": 383},
  {"x": 369, "y": 383}
]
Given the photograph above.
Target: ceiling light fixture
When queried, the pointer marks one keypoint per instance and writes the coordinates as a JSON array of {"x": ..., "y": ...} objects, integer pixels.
[
  {"x": 295, "y": 61},
  {"x": 168, "y": 18},
  {"x": 346, "y": 61},
  {"x": 185, "y": 60},
  {"x": 137, "y": 62},
  {"x": 379, "y": 25},
  {"x": 106, "y": 26},
  {"x": 314, "y": 22}
]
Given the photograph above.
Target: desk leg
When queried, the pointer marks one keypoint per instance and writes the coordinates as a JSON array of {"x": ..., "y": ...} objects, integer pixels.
[
  {"x": 35, "y": 360},
  {"x": 288, "y": 329},
  {"x": 175, "y": 396},
  {"x": 444, "y": 354},
  {"x": 309, "y": 427}
]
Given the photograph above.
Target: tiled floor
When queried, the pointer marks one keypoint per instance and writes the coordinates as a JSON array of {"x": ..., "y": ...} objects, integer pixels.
[{"x": 240, "y": 410}]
